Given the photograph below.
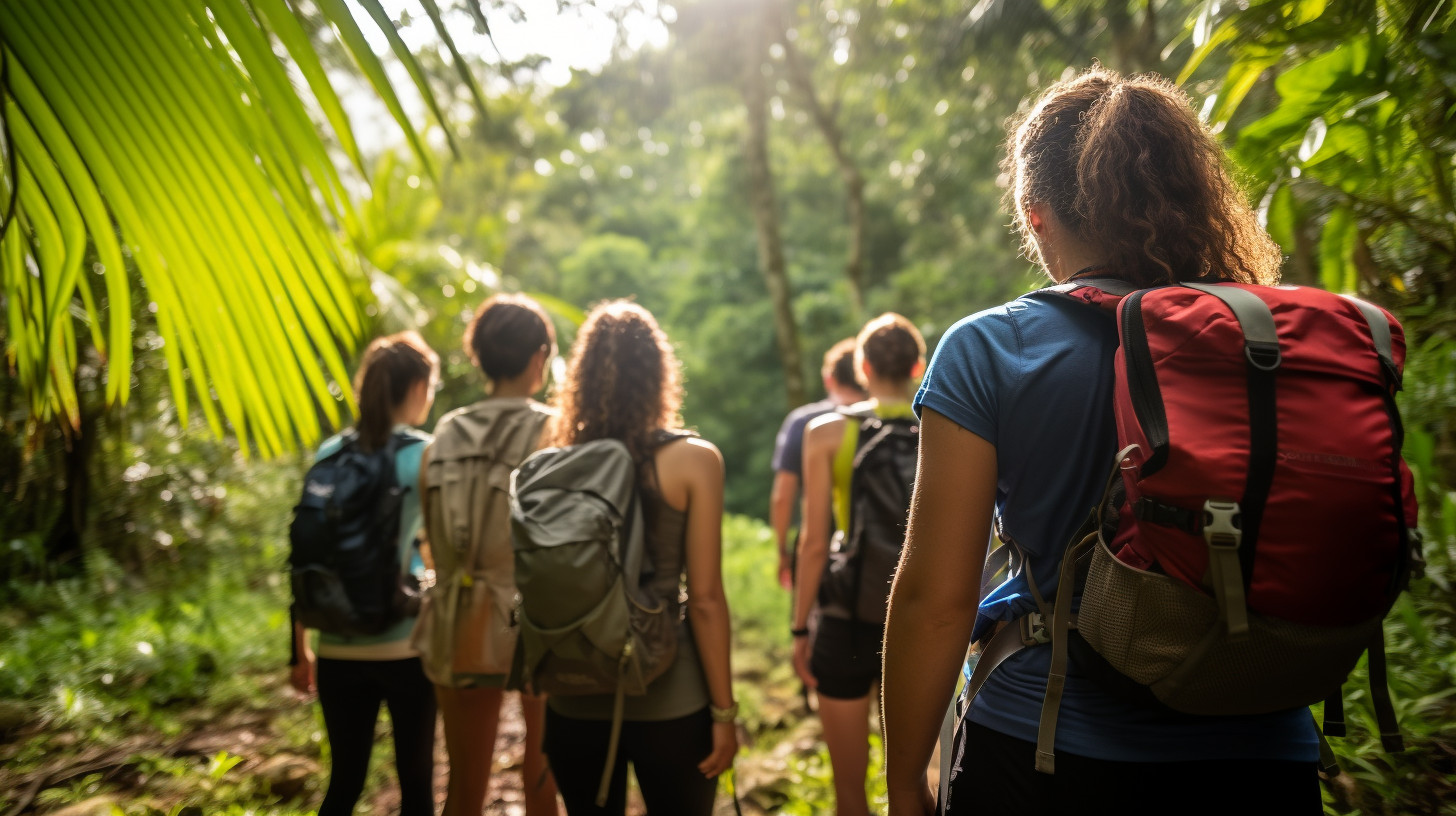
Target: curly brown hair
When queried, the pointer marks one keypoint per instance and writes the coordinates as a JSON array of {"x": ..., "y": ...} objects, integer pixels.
[
  {"x": 1127, "y": 166},
  {"x": 623, "y": 381}
]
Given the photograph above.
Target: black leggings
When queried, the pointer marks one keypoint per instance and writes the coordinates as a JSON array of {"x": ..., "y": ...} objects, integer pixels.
[
  {"x": 350, "y": 692},
  {"x": 664, "y": 756},
  {"x": 995, "y": 773}
]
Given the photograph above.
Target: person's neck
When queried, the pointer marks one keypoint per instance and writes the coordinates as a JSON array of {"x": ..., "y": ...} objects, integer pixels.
[
  {"x": 844, "y": 396},
  {"x": 882, "y": 391},
  {"x": 515, "y": 388},
  {"x": 1073, "y": 258}
]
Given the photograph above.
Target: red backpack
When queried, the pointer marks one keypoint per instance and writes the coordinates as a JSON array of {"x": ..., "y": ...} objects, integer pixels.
[{"x": 1263, "y": 522}]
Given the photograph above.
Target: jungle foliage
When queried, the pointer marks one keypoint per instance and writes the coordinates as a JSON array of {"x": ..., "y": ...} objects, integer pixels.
[{"x": 232, "y": 244}]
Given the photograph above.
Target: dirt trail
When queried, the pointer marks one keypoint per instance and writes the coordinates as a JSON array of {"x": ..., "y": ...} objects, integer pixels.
[{"x": 506, "y": 795}]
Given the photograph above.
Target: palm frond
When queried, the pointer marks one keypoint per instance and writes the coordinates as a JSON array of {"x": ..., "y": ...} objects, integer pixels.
[{"x": 169, "y": 137}]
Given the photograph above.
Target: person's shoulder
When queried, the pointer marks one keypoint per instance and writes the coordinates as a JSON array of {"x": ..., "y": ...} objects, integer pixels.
[
  {"x": 487, "y": 407},
  {"x": 805, "y": 413},
  {"x": 329, "y": 447},
  {"x": 995, "y": 320},
  {"x": 691, "y": 447},
  {"x": 411, "y": 444},
  {"x": 690, "y": 456},
  {"x": 830, "y": 427}
]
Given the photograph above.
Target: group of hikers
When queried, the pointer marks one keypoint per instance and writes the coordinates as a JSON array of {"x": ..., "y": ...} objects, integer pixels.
[{"x": 1060, "y": 521}]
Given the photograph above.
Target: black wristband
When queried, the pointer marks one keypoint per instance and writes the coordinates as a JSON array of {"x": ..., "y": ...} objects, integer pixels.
[{"x": 798, "y": 633}]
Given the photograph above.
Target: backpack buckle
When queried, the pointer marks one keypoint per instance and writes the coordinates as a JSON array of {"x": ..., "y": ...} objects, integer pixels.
[
  {"x": 1222, "y": 524},
  {"x": 1034, "y": 630}
]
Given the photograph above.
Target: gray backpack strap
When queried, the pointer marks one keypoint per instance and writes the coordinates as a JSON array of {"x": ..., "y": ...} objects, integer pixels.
[
  {"x": 1261, "y": 340},
  {"x": 1231, "y": 546},
  {"x": 1380, "y": 337},
  {"x": 1002, "y": 645}
]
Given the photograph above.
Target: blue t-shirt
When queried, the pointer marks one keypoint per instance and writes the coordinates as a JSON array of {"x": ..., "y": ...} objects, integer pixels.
[
  {"x": 788, "y": 452},
  {"x": 1035, "y": 378},
  {"x": 407, "y": 471}
]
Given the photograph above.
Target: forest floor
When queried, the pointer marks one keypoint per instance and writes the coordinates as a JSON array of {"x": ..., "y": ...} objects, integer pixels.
[
  {"x": 266, "y": 757},
  {"x": 163, "y": 694}
]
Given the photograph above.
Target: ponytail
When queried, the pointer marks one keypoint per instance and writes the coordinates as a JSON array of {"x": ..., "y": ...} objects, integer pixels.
[
  {"x": 392, "y": 366},
  {"x": 1129, "y": 168}
]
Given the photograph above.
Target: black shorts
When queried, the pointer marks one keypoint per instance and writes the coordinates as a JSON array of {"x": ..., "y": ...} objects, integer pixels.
[
  {"x": 846, "y": 657},
  {"x": 995, "y": 773}
]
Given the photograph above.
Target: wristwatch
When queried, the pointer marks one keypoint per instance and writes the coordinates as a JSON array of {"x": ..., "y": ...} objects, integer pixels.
[{"x": 723, "y": 715}]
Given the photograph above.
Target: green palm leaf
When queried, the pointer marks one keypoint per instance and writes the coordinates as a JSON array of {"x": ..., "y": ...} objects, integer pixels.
[{"x": 168, "y": 138}]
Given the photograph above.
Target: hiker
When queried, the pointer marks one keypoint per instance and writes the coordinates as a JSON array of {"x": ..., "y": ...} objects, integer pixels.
[
  {"x": 1117, "y": 178},
  {"x": 465, "y": 633},
  {"x": 354, "y": 674},
  {"x": 840, "y": 388},
  {"x": 623, "y": 383},
  {"x": 870, "y": 446}
]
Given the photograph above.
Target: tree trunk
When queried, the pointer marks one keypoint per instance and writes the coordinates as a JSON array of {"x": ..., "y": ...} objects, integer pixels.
[
  {"x": 757, "y": 34},
  {"x": 825, "y": 120},
  {"x": 1135, "y": 46},
  {"x": 63, "y": 545}
]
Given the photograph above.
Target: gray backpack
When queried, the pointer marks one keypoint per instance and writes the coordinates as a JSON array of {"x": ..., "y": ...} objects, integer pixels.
[{"x": 587, "y": 624}]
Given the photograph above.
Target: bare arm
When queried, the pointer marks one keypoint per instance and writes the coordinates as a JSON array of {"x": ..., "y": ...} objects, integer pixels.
[
  {"x": 781, "y": 515},
  {"x": 933, "y": 600},
  {"x": 821, "y": 442},
  {"x": 707, "y": 602},
  {"x": 302, "y": 675}
]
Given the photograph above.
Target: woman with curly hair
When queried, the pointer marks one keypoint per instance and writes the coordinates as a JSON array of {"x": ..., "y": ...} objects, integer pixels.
[
  {"x": 624, "y": 383},
  {"x": 1115, "y": 177}
]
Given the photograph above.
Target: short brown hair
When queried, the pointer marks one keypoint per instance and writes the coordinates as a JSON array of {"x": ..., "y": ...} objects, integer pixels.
[
  {"x": 506, "y": 333},
  {"x": 392, "y": 365},
  {"x": 891, "y": 345},
  {"x": 839, "y": 364},
  {"x": 1127, "y": 166},
  {"x": 623, "y": 381}
]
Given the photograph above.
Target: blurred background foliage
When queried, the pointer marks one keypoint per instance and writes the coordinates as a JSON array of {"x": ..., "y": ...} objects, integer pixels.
[{"x": 775, "y": 173}]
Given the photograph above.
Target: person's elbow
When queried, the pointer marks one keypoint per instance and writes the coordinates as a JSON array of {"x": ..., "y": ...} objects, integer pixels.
[
  {"x": 708, "y": 604},
  {"x": 930, "y": 607}
]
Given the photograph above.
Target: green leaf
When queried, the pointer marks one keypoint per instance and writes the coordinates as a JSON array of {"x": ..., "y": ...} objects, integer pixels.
[
  {"x": 1222, "y": 35},
  {"x": 1336, "y": 252},
  {"x": 1313, "y": 80},
  {"x": 1307, "y": 11},
  {"x": 1278, "y": 215},
  {"x": 411, "y": 65},
  {"x": 1240, "y": 80},
  {"x": 462, "y": 68},
  {"x": 1314, "y": 138},
  {"x": 172, "y": 125},
  {"x": 560, "y": 308}
]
